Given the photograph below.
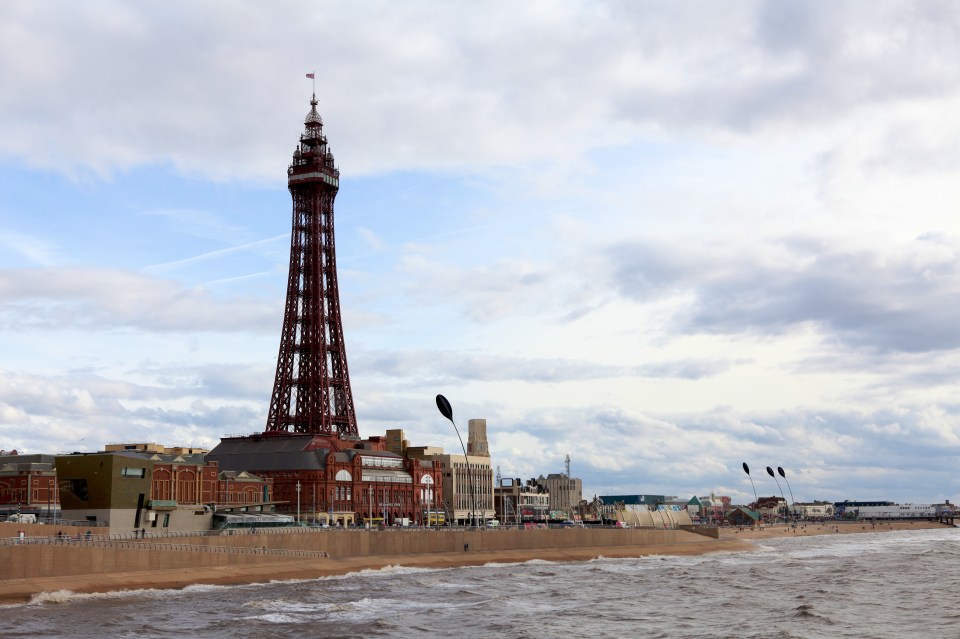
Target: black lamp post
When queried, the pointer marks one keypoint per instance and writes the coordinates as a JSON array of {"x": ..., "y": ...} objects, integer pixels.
[
  {"x": 756, "y": 502},
  {"x": 770, "y": 472},
  {"x": 784, "y": 475},
  {"x": 447, "y": 411}
]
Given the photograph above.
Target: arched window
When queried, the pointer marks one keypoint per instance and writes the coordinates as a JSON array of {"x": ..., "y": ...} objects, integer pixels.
[
  {"x": 343, "y": 475},
  {"x": 427, "y": 479}
]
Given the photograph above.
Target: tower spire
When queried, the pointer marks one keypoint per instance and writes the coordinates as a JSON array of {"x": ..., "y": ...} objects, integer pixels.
[{"x": 311, "y": 390}]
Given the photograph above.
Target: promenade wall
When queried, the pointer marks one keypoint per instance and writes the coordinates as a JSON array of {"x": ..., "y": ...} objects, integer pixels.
[{"x": 45, "y": 557}]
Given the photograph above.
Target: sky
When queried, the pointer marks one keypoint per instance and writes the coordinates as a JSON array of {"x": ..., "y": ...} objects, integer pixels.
[{"x": 664, "y": 239}]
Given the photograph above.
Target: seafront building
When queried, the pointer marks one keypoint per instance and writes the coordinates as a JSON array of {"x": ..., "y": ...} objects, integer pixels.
[
  {"x": 565, "y": 492},
  {"x": 344, "y": 486},
  {"x": 133, "y": 487},
  {"x": 465, "y": 493},
  {"x": 813, "y": 510},
  {"x": 517, "y": 502},
  {"x": 28, "y": 483}
]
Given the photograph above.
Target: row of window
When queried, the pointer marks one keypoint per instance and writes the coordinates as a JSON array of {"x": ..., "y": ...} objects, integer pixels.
[
  {"x": 388, "y": 479},
  {"x": 382, "y": 462}
]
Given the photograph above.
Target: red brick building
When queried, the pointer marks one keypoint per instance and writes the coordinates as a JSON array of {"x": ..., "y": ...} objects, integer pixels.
[
  {"x": 336, "y": 481},
  {"x": 28, "y": 483}
]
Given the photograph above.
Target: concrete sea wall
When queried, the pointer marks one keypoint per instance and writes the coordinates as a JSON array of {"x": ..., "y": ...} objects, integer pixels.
[{"x": 44, "y": 557}]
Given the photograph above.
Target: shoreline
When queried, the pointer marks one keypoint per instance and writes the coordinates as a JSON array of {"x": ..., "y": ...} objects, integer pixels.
[{"x": 21, "y": 591}]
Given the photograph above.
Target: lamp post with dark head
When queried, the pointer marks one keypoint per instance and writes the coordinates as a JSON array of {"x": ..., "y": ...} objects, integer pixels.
[
  {"x": 447, "y": 411},
  {"x": 794, "y": 501},
  {"x": 770, "y": 472},
  {"x": 756, "y": 502}
]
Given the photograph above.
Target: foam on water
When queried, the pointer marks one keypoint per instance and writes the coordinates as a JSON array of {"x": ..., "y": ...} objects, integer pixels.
[
  {"x": 68, "y": 596},
  {"x": 506, "y": 564},
  {"x": 276, "y": 617}
]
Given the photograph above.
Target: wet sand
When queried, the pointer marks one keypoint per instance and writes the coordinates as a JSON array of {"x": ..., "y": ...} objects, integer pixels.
[{"x": 731, "y": 540}]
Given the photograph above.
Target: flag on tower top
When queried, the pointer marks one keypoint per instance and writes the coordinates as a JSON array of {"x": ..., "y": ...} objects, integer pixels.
[{"x": 310, "y": 75}]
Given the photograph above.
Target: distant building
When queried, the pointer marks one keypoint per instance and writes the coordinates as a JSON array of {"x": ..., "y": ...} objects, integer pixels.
[
  {"x": 107, "y": 489},
  {"x": 465, "y": 504},
  {"x": 713, "y": 507},
  {"x": 28, "y": 483},
  {"x": 466, "y": 490},
  {"x": 185, "y": 476},
  {"x": 634, "y": 500},
  {"x": 155, "y": 449},
  {"x": 847, "y": 508},
  {"x": 338, "y": 481},
  {"x": 477, "y": 438},
  {"x": 517, "y": 502},
  {"x": 772, "y": 508},
  {"x": 813, "y": 510},
  {"x": 149, "y": 487},
  {"x": 741, "y": 516},
  {"x": 565, "y": 492}
]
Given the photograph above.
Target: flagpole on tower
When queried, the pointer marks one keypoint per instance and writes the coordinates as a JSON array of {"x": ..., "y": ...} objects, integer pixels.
[{"x": 313, "y": 77}]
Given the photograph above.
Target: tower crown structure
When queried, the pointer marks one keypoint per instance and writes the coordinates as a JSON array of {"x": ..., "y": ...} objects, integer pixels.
[{"x": 311, "y": 390}]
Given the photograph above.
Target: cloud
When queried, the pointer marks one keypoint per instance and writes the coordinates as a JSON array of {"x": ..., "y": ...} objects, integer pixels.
[
  {"x": 454, "y": 367},
  {"x": 38, "y": 251},
  {"x": 537, "y": 83},
  {"x": 84, "y": 411},
  {"x": 868, "y": 299},
  {"x": 215, "y": 254},
  {"x": 98, "y": 299},
  {"x": 662, "y": 239}
]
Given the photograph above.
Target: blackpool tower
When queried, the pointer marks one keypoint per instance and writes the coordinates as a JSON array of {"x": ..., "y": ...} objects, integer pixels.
[
  {"x": 310, "y": 454},
  {"x": 311, "y": 390}
]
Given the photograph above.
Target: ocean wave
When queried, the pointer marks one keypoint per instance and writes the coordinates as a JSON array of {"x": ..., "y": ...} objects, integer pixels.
[
  {"x": 529, "y": 562},
  {"x": 277, "y": 617},
  {"x": 57, "y": 597}
]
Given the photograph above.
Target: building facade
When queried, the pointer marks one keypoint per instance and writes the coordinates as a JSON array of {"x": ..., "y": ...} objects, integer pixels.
[
  {"x": 28, "y": 484},
  {"x": 517, "y": 502},
  {"x": 565, "y": 492},
  {"x": 324, "y": 481}
]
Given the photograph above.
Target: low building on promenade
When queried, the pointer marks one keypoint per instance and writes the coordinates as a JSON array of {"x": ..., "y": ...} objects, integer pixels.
[
  {"x": 772, "y": 508},
  {"x": 813, "y": 510},
  {"x": 137, "y": 486}
]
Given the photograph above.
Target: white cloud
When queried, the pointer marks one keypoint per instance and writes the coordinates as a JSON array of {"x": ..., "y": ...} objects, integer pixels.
[
  {"x": 95, "y": 299},
  {"x": 492, "y": 84},
  {"x": 663, "y": 239}
]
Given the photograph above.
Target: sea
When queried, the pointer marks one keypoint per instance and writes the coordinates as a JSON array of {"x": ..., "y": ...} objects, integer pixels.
[{"x": 890, "y": 584}]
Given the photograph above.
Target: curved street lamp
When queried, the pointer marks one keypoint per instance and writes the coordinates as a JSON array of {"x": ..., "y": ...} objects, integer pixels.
[
  {"x": 770, "y": 472},
  {"x": 447, "y": 411},
  {"x": 784, "y": 475},
  {"x": 756, "y": 503}
]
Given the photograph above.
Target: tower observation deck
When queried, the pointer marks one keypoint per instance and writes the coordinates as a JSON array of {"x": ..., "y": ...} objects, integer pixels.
[{"x": 311, "y": 390}]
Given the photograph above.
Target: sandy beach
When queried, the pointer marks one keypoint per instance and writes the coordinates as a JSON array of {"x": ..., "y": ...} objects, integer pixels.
[{"x": 731, "y": 540}]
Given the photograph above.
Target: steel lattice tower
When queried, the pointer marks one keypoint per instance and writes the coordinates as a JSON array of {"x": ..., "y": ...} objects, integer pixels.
[{"x": 311, "y": 391}]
